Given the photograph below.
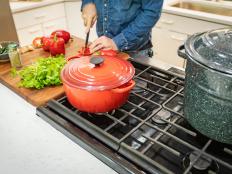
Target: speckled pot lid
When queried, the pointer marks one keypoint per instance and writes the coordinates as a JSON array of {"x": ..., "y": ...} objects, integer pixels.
[{"x": 212, "y": 49}]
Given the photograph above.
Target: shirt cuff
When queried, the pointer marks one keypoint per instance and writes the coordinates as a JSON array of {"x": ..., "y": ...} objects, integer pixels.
[
  {"x": 84, "y": 2},
  {"x": 121, "y": 42}
]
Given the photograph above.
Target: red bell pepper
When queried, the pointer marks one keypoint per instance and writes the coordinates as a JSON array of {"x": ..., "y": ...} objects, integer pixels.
[
  {"x": 61, "y": 34},
  {"x": 46, "y": 42},
  {"x": 57, "y": 46}
]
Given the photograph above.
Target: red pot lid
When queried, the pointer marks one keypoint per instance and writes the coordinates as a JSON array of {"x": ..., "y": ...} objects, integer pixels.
[{"x": 97, "y": 72}]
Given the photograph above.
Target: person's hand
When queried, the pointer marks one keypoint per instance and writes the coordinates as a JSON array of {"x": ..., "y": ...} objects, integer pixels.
[
  {"x": 89, "y": 15},
  {"x": 102, "y": 42}
]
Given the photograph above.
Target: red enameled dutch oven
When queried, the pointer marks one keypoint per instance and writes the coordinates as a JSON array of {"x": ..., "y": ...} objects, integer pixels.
[{"x": 97, "y": 84}]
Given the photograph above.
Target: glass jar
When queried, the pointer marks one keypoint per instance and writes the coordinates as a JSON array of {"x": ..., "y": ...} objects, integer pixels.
[{"x": 14, "y": 56}]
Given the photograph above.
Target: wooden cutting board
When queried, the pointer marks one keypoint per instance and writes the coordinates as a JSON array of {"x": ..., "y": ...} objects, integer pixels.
[{"x": 34, "y": 96}]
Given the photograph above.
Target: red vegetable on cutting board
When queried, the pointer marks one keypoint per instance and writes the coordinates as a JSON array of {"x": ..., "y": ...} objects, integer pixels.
[
  {"x": 46, "y": 41},
  {"x": 57, "y": 46},
  {"x": 61, "y": 34},
  {"x": 37, "y": 42},
  {"x": 55, "y": 43}
]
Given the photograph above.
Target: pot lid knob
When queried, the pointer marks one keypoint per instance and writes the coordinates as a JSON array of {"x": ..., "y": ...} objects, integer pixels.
[{"x": 97, "y": 61}]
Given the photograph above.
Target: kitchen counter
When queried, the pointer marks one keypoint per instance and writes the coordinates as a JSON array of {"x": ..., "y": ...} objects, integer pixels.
[
  {"x": 23, "y": 6},
  {"x": 226, "y": 20},
  {"x": 31, "y": 145}
]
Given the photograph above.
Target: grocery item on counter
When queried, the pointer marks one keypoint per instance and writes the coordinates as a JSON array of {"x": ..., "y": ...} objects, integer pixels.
[
  {"x": 84, "y": 51},
  {"x": 4, "y": 49},
  {"x": 26, "y": 49},
  {"x": 46, "y": 41},
  {"x": 42, "y": 73},
  {"x": 14, "y": 56},
  {"x": 61, "y": 34},
  {"x": 55, "y": 43},
  {"x": 37, "y": 42},
  {"x": 57, "y": 46}
]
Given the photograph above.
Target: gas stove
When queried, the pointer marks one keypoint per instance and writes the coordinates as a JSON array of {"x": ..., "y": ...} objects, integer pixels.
[{"x": 148, "y": 134}]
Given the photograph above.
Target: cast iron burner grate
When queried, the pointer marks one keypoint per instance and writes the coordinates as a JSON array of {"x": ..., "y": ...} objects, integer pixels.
[{"x": 149, "y": 132}]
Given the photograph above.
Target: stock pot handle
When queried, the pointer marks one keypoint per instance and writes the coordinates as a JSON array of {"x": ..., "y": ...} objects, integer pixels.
[
  {"x": 126, "y": 88},
  {"x": 181, "y": 52}
]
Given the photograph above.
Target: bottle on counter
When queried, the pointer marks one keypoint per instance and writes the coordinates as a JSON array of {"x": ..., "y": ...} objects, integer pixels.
[{"x": 14, "y": 56}]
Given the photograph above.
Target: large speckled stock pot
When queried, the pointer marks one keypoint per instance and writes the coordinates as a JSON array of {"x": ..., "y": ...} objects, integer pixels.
[{"x": 208, "y": 85}]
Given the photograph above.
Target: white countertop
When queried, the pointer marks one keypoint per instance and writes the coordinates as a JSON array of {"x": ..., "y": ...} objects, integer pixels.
[
  {"x": 22, "y": 6},
  {"x": 29, "y": 145},
  {"x": 197, "y": 14}
]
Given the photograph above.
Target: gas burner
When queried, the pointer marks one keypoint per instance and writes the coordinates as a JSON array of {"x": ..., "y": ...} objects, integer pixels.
[
  {"x": 140, "y": 88},
  {"x": 137, "y": 89},
  {"x": 101, "y": 114},
  {"x": 177, "y": 108},
  {"x": 140, "y": 137},
  {"x": 162, "y": 114},
  {"x": 164, "y": 96},
  {"x": 203, "y": 165}
]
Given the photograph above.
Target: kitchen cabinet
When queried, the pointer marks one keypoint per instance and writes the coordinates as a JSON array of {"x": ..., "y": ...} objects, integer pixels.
[
  {"x": 171, "y": 31},
  {"x": 50, "y": 26},
  {"x": 42, "y": 21},
  {"x": 38, "y": 22},
  {"x": 165, "y": 45},
  {"x": 27, "y": 34},
  {"x": 75, "y": 22}
]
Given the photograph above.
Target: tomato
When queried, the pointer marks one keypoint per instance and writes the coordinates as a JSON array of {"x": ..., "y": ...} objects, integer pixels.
[
  {"x": 61, "y": 34},
  {"x": 37, "y": 42},
  {"x": 57, "y": 46},
  {"x": 85, "y": 51},
  {"x": 46, "y": 41}
]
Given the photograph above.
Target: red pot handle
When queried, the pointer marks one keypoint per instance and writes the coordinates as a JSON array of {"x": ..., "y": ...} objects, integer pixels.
[
  {"x": 81, "y": 53},
  {"x": 109, "y": 52},
  {"x": 124, "y": 89},
  {"x": 101, "y": 53}
]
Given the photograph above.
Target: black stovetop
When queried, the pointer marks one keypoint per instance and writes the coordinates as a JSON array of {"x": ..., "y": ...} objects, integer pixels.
[{"x": 148, "y": 134}]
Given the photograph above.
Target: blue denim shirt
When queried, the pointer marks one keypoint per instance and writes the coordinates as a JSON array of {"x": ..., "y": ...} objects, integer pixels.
[{"x": 127, "y": 22}]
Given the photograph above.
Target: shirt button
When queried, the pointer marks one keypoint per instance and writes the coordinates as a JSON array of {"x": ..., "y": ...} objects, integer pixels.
[
  {"x": 106, "y": 31},
  {"x": 105, "y": 19},
  {"x": 126, "y": 48},
  {"x": 105, "y": 5}
]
